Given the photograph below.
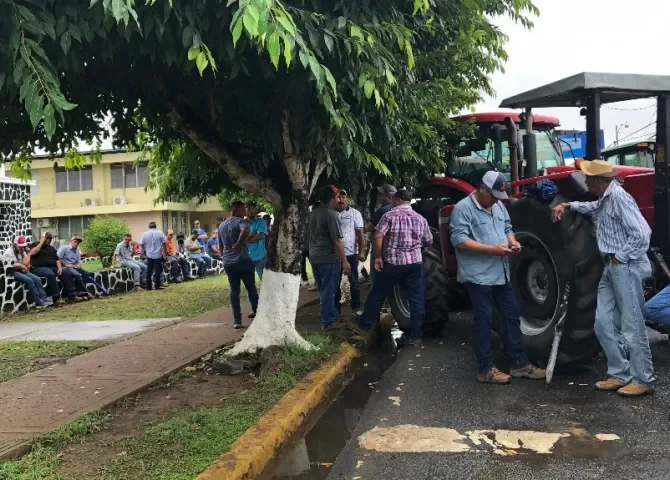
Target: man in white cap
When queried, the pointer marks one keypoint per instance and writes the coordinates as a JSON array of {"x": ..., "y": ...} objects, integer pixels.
[
  {"x": 481, "y": 231},
  {"x": 623, "y": 240}
]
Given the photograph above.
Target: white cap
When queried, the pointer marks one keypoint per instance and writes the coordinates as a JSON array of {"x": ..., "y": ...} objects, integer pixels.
[{"x": 496, "y": 183}]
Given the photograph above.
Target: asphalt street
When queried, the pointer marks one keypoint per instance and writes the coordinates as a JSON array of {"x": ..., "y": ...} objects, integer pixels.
[{"x": 429, "y": 419}]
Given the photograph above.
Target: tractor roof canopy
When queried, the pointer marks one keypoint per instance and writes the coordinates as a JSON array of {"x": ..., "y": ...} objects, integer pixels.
[{"x": 571, "y": 91}]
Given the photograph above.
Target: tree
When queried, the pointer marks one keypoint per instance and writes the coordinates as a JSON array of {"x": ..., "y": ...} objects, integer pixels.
[
  {"x": 298, "y": 88},
  {"x": 102, "y": 236},
  {"x": 228, "y": 195}
]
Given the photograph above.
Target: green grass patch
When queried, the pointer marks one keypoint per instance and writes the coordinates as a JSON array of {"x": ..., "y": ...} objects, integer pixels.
[
  {"x": 181, "y": 446},
  {"x": 188, "y": 299},
  {"x": 43, "y": 461},
  {"x": 94, "y": 266},
  {"x": 17, "y": 358}
]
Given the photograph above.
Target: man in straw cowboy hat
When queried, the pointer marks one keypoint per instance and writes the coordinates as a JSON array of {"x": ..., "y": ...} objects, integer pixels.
[{"x": 623, "y": 241}]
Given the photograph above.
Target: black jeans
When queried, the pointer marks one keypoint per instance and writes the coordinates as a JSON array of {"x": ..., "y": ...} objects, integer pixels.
[
  {"x": 242, "y": 272},
  {"x": 52, "y": 284},
  {"x": 155, "y": 266},
  {"x": 354, "y": 284}
]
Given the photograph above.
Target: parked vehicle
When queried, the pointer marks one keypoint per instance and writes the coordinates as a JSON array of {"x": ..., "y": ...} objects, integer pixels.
[{"x": 632, "y": 154}]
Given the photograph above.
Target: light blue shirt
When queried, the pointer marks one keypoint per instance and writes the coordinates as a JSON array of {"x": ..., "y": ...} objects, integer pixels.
[
  {"x": 469, "y": 221},
  {"x": 257, "y": 249},
  {"x": 69, "y": 255},
  {"x": 621, "y": 228},
  {"x": 152, "y": 242}
]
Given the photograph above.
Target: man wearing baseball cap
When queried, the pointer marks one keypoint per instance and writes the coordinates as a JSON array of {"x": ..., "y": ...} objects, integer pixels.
[
  {"x": 70, "y": 258},
  {"x": 623, "y": 240},
  {"x": 481, "y": 231},
  {"x": 385, "y": 194},
  {"x": 21, "y": 273}
]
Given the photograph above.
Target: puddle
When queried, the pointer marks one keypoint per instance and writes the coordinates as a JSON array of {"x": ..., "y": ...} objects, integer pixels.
[{"x": 316, "y": 454}]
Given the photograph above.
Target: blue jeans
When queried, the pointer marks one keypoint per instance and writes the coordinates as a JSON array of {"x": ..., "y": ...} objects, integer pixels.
[
  {"x": 178, "y": 266},
  {"x": 49, "y": 273},
  {"x": 243, "y": 272},
  {"x": 72, "y": 282},
  {"x": 200, "y": 262},
  {"x": 410, "y": 278},
  {"x": 327, "y": 279},
  {"x": 620, "y": 321},
  {"x": 33, "y": 284},
  {"x": 657, "y": 309},
  {"x": 259, "y": 265},
  {"x": 208, "y": 260},
  {"x": 138, "y": 269},
  {"x": 484, "y": 298}
]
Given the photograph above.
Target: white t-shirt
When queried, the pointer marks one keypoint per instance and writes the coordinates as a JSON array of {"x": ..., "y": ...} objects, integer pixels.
[
  {"x": 9, "y": 253},
  {"x": 350, "y": 220}
]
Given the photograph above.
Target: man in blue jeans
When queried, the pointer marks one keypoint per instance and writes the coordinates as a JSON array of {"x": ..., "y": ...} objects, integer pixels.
[
  {"x": 385, "y": 195},
  {"x": 154, "y": 246},
  {"x": 239, "y": 268},
  {"x": 481, "y": 231},
  {"x": 326, "y": 254},
  {"x": 399, "y": 237},
  {"x": 351, "y": 222},
  {"x": 623, "y": 240}
]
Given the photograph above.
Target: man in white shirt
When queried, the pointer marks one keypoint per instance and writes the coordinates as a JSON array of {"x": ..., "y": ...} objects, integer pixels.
[{"x": 352, "y": 226}]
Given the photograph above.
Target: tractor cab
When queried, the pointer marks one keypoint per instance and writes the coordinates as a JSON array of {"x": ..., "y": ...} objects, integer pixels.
[
  {"x": 632, "y": 154},
  {"x": 490, "y": 146}
]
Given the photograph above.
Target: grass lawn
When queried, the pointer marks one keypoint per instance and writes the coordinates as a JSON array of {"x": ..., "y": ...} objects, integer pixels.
[
  {"x": 188, "y": 299},
  {"x": 179, "y": 446},
  {"x": 17, "y": 358},
  {"x": 92, "y": 266}
]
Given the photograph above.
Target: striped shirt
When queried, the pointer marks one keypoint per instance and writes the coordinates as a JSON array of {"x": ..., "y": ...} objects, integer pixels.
[
  {"x": 622, "y": 230},
  {"x": 405, "y": 233}
]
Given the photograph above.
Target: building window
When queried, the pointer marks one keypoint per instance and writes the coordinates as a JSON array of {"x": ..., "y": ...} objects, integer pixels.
[
  {"x": 164, "y": 221},
  {"x": 35, "y": 176},
  {"x": 76, "y": 180},
  {"x": 175, "y": 225},
  {"x": 182, "y": 218},
  {"x": 69, "y": 226},
  {"x": 127, "y": 175}
]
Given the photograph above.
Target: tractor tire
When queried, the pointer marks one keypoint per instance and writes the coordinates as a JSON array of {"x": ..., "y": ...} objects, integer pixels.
[
  {"x": 551, "y": 254},
  {"x": 436, "y": 296}
]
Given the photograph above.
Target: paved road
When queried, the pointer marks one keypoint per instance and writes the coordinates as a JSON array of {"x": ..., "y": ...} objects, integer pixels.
[{"x": 455, "y": 428}]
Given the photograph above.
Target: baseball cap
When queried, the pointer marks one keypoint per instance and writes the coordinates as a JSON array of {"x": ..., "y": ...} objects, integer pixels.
[
  {"x": 20, "y": 241},
  {"x": 496, "y": 183},
  {"x": 48, "y": 235},
  {"x": 387, "y": 189},
  {"x": 77, "y": 238},
  {"x": 196, "y": 221},
  {"x": 195, "y": 230}
]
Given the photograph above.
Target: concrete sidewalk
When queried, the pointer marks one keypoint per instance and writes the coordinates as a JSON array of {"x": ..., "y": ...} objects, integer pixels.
[{"x": 57, "y": 395}]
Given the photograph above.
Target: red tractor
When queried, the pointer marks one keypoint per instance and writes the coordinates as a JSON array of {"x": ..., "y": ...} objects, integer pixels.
[{"x": 521, "y": 146}]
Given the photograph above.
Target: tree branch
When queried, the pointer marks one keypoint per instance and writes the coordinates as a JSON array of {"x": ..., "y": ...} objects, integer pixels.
[{"x": 226, "y": 160}]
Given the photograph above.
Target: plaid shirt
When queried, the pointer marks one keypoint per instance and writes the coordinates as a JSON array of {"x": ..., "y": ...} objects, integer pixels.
[{"x": 405, "y": 233}]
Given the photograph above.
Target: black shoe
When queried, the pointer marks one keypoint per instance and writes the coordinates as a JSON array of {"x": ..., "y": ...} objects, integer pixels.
[
  {"x": 237, "y": 325},
  {"x": 252, "y": 315},
  {"x": 161, "y": 287}
]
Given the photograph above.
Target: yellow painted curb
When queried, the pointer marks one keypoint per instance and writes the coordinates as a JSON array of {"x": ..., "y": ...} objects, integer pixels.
[{"x": 248, "y": 457}]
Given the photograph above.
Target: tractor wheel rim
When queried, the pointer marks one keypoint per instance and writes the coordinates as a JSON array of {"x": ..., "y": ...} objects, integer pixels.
[{"x": 537, "y": 282}]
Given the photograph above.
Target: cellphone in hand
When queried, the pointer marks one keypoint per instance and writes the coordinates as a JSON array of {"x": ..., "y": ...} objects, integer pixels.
[{"x": 515, "y": 249}]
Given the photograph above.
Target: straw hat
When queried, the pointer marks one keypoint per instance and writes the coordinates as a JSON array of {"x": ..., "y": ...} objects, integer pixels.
[{"x": 597, "y": 168}]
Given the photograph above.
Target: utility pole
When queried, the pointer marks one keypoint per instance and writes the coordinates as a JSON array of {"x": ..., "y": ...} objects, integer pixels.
[{"x": 617, "y": 129}]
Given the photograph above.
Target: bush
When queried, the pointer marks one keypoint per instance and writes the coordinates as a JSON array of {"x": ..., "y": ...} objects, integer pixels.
[{"x": 103, "y": 235}]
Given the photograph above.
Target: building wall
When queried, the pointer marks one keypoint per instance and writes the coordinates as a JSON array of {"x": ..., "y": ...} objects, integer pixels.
[{"x": 14, "y": 211}]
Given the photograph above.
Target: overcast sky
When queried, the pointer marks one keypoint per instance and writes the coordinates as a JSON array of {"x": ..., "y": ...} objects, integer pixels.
[{"x": 573, "y": 36}]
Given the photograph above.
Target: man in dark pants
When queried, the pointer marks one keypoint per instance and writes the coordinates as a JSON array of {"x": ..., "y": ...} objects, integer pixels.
[
  {"x": 481, "y": 231},
  {"x": 385, "y": 195},
  {"x": 236, "y": 261},
  {"x": 153, "y": 244},
  {"x": 45, "y": 263},
  {"x": 398, "y": 239},
  {"x": 351, "y": 223},
  {"x": 326, "y": 253}
]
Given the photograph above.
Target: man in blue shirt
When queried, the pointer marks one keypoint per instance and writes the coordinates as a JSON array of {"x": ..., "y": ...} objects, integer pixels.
[
  {"x": 258, "y": 230},
  {"x": 153, "y": 246},
  {"x": 623, "y": 240},
  {"x": 70, "y": 259},
  {"x": 481, "y": 231},
  {"x": 202, "y": 240},
  {"x": 213, "y": 246},
  {"x": 233, "y": 234}
]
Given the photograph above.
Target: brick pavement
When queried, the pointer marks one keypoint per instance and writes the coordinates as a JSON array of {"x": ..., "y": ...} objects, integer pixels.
[{"x": 57, "y": 395}]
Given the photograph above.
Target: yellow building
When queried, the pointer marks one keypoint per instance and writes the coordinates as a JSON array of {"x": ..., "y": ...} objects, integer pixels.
[{"x": 64, "y": 201}]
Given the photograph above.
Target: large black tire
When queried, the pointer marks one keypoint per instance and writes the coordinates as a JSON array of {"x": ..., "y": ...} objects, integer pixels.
[
  {"x": 552, "y": 252},
  {"x": 436, "y": 296}
]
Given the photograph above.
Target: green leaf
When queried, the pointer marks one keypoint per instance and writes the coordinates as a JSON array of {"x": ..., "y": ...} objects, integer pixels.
[
  {"x": 237, "y": 32},
  {"x": 329, "y": 42},
  {"x": 418, "y": 4},
  {"x": 49, "y": 121},
  {"x": 250, "y": 19},
  {"x": 330, "y": 79},
  {"x": 287, "y": 49},
  {"x": 187, "y": 36},
  {"x": 19, "y": 68},
  {"x": 75, "y": 32},
  {"x": 368, "y": 88},
  {"x": 61, "y": 25},
  {"x": 355, "y": 32},
  {"x": 274, "y": 49},
  {"x": 26, "y": 14},
  {"x": 93, "y": 2},
  {"x": 65, "y": 42},
  {"x": 36, "y": 109},
  {"x": 59, "y": 101},
  {"x": 315, "y": 67},
  {"x": 3, "y": 75},
  {"x": 193, "y": 53},
  {"x": 30, "y": 92},
  {"x": 341, "y": 22},
  {"x": 285, "y": 22},
  {"x": 118, "y": 9},
  {"x": 201, "y": 62},
  {"x": 410, "y": 54}
]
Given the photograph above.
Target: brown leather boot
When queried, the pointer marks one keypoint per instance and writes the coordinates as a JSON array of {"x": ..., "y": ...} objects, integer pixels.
[
  {"x": 610, "y": 384},
  {"x": 634, "y": 389},
  {"x": 529, "y": 371},
  {"x": 494, "y": 376}
]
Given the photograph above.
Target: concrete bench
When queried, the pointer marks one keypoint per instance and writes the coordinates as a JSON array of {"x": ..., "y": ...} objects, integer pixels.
[{"x": 14, "y": 296}]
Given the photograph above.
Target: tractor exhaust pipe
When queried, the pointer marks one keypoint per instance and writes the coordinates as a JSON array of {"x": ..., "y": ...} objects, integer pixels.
[
  {"x": 529, "y": 146},
  {"x": 513, "y": 144}
]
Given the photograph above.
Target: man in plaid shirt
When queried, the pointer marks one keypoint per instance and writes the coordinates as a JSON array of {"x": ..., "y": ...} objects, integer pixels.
[{"x": 398, "y": 239}]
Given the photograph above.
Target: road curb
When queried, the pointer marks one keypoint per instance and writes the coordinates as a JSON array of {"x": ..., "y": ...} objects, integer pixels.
[{"x": 257, "y": 451}]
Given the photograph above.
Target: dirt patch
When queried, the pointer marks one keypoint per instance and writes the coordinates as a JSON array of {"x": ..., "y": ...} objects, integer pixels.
[{"x": 132, "y": 414}]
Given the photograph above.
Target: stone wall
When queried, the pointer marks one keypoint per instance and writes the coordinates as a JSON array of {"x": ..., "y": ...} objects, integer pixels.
[
  {"x": 14, "y": 297},
  {"x": 14, "y": 212}
]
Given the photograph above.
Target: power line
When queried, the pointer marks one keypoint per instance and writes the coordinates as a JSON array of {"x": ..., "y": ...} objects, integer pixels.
[
  {"x": 629, "y": 109},
  {"x": 638, "y": 131}
]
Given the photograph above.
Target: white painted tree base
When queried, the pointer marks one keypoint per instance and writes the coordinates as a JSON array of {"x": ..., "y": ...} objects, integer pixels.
[{"x": 275, "y": 319}]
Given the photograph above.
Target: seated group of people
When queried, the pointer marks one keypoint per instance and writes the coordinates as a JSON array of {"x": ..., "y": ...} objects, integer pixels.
[{"x": 40, "y": 260}]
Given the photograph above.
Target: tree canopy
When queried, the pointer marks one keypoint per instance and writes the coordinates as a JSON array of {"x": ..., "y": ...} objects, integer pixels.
[{"x": 263, "y": 95}]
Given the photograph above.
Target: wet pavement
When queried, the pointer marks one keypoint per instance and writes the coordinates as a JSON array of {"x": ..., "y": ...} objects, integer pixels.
[
  {"x": 429, "y": 419},
  {"x": 80, "y": 331}
]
